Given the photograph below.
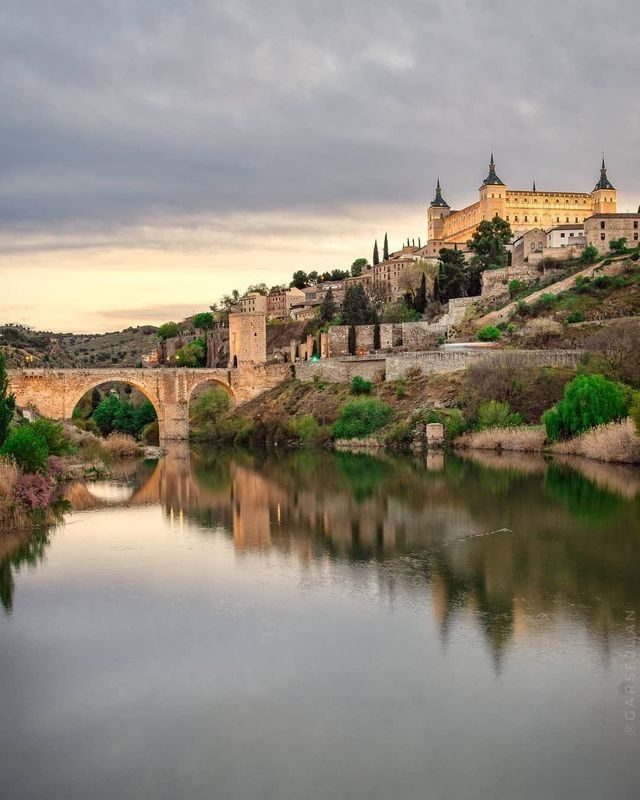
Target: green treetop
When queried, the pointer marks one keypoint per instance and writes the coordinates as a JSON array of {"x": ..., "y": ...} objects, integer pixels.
[{"x": 489, "y": 244}]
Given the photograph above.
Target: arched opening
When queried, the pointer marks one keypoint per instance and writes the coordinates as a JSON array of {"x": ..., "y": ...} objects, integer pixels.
[
  {"x": 124, "y": 407},
  {"x": 210, "y": 403}
]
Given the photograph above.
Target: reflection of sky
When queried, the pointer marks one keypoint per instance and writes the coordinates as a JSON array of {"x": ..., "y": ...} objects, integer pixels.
[
  {"x": 147, "y": 658},
  {"x": 110, "y": 491}
]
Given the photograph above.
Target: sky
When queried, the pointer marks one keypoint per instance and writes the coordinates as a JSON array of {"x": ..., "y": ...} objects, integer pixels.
[{"x": 155, "y": 155}]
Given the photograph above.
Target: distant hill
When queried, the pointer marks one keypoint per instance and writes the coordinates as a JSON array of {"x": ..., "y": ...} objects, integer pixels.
[{"x": 23, "y": 346}]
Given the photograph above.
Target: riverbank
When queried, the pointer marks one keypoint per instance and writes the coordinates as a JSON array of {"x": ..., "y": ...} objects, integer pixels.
[{"x": 494, "y": 405}]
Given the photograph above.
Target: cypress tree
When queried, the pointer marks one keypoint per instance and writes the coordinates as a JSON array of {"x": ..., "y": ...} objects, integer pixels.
[
  {"x": 376, "y": 331},
  {"x": 351, "y": 340},
  {"x": 385, "y": 249},
  {"x": 376, "y": 257},
  {"x": 328, "y": 307},
  {"x": 420, "y": 302}
]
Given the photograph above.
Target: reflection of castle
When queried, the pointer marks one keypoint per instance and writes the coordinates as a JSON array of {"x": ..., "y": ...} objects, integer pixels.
[{"x": 358, "y": 508}]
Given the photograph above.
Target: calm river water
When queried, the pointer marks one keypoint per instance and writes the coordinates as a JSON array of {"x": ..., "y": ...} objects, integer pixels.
[{"x": 303, "y": 626}]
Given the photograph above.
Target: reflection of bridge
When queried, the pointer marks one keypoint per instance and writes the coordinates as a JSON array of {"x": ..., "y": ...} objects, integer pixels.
[{"x": 55, "y": 392}]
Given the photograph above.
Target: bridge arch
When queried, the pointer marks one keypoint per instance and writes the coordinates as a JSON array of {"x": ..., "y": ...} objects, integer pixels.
[{"x": 75, "y": 394}]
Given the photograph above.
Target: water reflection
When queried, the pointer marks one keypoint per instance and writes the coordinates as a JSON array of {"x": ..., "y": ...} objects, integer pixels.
[{"x": 514, "y": 541}]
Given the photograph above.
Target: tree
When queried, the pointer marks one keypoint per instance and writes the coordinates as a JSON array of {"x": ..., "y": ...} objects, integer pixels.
[
  {"x": 193, "y": 354},
  {"x": 257, "y": 288},
  {"x": 588, "y": 255},
  {"x": 420, "y": 299},
  {"x": 106, "y": 412},
  {"x": 7, "y": 402},
  {"x": 328, "y": 307},
  {"x": 333, "y": 275},
  {"x": 358, "y": 266},
  {"x": 356, "y": 309},
  {"x": 451, "y": 280},
  {"x": 376, "y": 257},
  {"x": 489, "y": 244},
  {"x": 351, "y": 340},
  {"x": 618, "y": 245},
  {"x": 227, "y": 301},
  {"x": 168, "y": 331},
  {"x": 588, "y": 400},
  {"x": 27, "y": 448},
  {"x": 313, "y": 276},
  {"x": 385, "y": 249},
  {"x": 376, "y": 331},
  {"x": 300, "y": 279},
  {"x": 203, "y": 321}
]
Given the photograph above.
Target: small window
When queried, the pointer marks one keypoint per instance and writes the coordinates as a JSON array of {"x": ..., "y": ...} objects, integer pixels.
[
  {"x": 526, "y": 219},
  {"x": 557, "y": 219},
  {"x": 602, "y": 236},
  {"x": 635, "y": 224},
  {"x": 567, "y": 219},
  {"x": 635, "y": 237},
  {"x": 507, "y": 218},
  {"x": 562, "y": 235},
  {"x": 602, "y": 225},
  {"x": 535, "y": 219},
  {"x": 516, "y": 218}
]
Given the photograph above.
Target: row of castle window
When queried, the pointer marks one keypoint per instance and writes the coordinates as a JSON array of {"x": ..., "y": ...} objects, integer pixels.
[
  {"x": 535, "y": 219},
  {"x": 535, "y": 199},
  {"x": 603, "y": 224}
]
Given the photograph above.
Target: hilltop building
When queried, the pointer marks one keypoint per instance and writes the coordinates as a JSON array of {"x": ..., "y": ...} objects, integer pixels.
[{"x": 524, "y": 210}]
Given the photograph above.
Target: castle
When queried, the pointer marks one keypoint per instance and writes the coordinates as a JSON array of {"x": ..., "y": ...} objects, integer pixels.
[{"x": 523, "y": 209}]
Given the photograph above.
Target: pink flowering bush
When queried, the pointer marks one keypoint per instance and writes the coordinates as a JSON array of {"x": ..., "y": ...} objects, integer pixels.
[
  {"x": 56, "y": 466},
  {"x": 34, "y": 490}
]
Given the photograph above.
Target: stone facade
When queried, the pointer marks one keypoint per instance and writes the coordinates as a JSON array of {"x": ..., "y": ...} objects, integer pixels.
[
  {"x": 252, "y": 303},
  {"x": 602, "y": 229},
  {"x": 55, "y": 393},
  {"x": 495, "y": 282},
  {"x": 280, "y": 301},
  {"x": 528, "y": 248},
  {"x": 524, "y": 210},
  {"x": 247, "y": 339}
]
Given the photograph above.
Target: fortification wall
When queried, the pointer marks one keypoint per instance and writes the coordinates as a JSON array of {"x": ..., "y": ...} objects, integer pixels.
[
  {"x": 340, "y": 370},
  {"x": 444, "y": 361}
]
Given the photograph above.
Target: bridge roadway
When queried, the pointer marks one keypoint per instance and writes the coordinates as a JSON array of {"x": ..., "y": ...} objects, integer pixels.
[{"x": 55, "y": 393}]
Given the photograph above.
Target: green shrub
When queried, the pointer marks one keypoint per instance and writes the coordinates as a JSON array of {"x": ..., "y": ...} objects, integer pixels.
[
  {"x": 360, "y": 418},
  {"x": 151, "y": 433},
  {"x": 488, "y": 334},
  {"x": 515, "y": 287},
  {"x": 400, "y": 388},
  {"x": 635, "y": 257},
  {"x": 546, "y": 300},
  {"x": 634, "y": 411},
  {"x": 497, "y": 415},
  {"x": 511, "y": 328},
  {"x": 193, "y": 354},
  {"x": 53, "y": 434},
  {"x": 454, "y": 422},
  {"x": 168, "y": 330},
  {"x": 360, "y": 385},
  {"x": 27, "y": 448},
  {"x": 588, "y": 255},
  {"x": 206, "y": 412},
  {"x": 522, "y": 308},
  {"x": 304, "y": 428},
  {"x": 588, "y": 400},
  {"x": 399, "y": 434},
  {"x": 575, "y": 316}
]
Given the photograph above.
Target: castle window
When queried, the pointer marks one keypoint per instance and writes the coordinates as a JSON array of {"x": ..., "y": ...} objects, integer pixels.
[
  {"x": 603, "y": 236},
  {"x": 576, "y": 219},
  {"x": 535, "y": 219},
  {"x": 516, "y": 218},
  {"x": 557, "y": 201},
  {"x": 562, "y": 235},
  {"x": 507, "y": 218},
  {"x": 526, "y": 219},
  {"x": 557, "y": 219},
  {"x": 635, "y": 237},
  {"x": 567, "y": 219},
  {"x": 635, "y": 224},
  {"x": 602, "y": 225}
]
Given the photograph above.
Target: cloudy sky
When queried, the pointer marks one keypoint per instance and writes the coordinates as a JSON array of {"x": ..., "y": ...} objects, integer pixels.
[{"x": 156, "y": 154}]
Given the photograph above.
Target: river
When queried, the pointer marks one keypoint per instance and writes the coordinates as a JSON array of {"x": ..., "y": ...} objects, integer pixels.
[{"x": 311, "y": 626}]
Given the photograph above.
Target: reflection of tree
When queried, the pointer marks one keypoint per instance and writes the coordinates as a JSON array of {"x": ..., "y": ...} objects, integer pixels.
[
  {"x": 27, "y": 550},
  {"x": 582, "y": 498}
]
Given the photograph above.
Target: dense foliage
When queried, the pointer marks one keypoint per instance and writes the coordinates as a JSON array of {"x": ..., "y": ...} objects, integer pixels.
[
  {"x": 206, "y": 412},
  {"x": 7, "y": 402},
  {"x": 360, "y": 385},
  {"x": 168, "y": 330},
  {"x": 489, "y": 333},
  {"x": 588, "y": 400},
  {"x": 360, "y": 418},
  {"x": 27, "y": 448},
  {"x": 114, "y": 414},
  {"x": 489, "y": 244}
]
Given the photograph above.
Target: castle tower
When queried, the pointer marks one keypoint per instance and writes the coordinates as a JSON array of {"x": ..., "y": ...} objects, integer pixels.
[
  {"x": 493, "y": 195},
  {"x": 438, "y": 210},
  {"x": 604, "y": 194}
]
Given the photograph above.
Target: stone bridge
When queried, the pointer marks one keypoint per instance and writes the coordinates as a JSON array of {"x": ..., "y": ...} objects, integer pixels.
[{"x": 55, "y": 393}]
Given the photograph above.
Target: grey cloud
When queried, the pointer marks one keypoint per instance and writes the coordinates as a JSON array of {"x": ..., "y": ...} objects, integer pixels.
[{"x": 116, "y": 112}]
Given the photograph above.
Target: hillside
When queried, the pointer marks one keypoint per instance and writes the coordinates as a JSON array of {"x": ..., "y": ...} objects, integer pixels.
[{"x": 25, "y": 347}]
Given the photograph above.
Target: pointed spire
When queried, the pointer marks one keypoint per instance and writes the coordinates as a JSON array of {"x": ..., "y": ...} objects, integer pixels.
[
  {"x": 492, "y": 179},
  {"x": 534, "y": 184},
  {"x": 604, "y": 182},
  {"x": 439, "y": 200}
]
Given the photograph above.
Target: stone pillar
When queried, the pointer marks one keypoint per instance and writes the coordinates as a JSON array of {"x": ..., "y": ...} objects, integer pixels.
[
  {"x": 435, "y": 434},
  {"x": 324, "y": 345}
]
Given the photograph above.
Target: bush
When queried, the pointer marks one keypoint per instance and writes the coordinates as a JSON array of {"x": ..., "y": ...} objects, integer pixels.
[
  {"x": 515, "y": 287},
  {"x": 588, "y": 255},
  {"x": 495, "y": 414},
  {"x": 400, "y": 388},
  {"x": 27, "y": 448},
  {"x": 634, "y": 412},
  {"x": 575, "y": 316},
  {"x": 207, "y": 410},
  {"x": 454, "y": 423},
  {"x": 588, "y": 400},
  {"x": 121, "y": 445},
  {"x": 361, "y": 418},
  {"x": 168, "y": 330},
  {"x": 193, "y": 354},
  {"x": 488, "y": 334},
  {"x": 53, "y": 434},
  {"x": 34, "y": 491},
  {"x": 151, "y": 433},
  {"x": 304, "y": 428},
  {"x": 511, "y": 328},
  {"x": 360, "y": 385}
]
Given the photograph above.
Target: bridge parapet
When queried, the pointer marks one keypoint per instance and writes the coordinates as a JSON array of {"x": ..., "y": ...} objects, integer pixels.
[{"x": 55, "y": 393}]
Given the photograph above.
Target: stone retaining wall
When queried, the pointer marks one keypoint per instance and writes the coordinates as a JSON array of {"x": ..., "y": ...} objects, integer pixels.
[{"x": 340, "y": 370}]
